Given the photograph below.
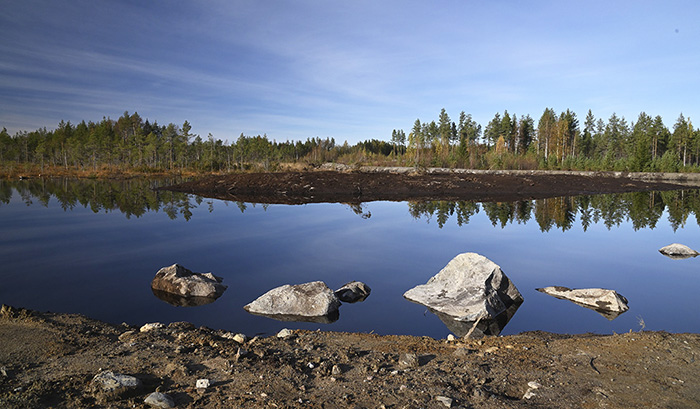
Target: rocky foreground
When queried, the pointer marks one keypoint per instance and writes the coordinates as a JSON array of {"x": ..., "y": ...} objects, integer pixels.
[{"x": 53, "y": 360}]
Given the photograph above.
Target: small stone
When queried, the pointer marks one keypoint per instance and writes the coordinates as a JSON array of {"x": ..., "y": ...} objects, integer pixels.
[
  {"x": 534, "y": 385},
  {"x": 444, "y": 400},
  {"x": 451, "y": 337},
  {"x": 203, "y": 383},
  {"x": 109, "y": 384},
  {"x": 240, "y": 338},
  {"x": 126, "y": 335},
  {"x": 284, "y": 333},
  {"x": 3, "y": 371},
  {"x": 159, "y": 400},
  {"x": 151, "y": 326},
  {"x": 529, "y": 394},
  {"x": 408, "y": 360},
  {"x": 336, "y": 370}
]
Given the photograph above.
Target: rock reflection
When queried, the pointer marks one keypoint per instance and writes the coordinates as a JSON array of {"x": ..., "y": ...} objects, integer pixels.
[
  {"x": 321, "y": 319},
  {"x": 180, "y": 301},
  {"x": 481, "y": 327}
]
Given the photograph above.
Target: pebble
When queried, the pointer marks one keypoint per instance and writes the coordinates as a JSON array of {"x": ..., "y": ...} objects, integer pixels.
[
  {"x": 151, "y": 326},
  {"x": 203, "y": 383},
  {"x": 114, "y": 384},
  {"x": 451, "y": 337},
  {"x": 284, "y": 333},
  {"x": 3, "y": 371},
  {"x": 444, "y": 400},
  {"x": 408, "y": 360},
  {"x": 336, "y": 370},
  {"x": 159, "y": 400},
  {"x": 126, "y": 335},
  {"x": 530, "y": 393}
]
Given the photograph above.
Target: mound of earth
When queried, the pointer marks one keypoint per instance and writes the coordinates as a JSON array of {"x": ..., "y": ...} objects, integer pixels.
[
  {"x": 324, "y": 186},
  {"x": 48, "y": 360}
]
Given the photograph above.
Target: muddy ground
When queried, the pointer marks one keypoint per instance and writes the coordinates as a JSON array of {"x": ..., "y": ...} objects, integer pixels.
[
  {"x": 49, "y": 360},
  {"x": 356, "y": 187}
]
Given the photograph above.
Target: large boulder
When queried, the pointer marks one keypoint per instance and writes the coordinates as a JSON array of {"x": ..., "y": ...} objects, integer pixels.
[
  {"x": 354, "y": 291},
  {"x": 678, "y": 251},
  {"x": 469, "y": 288},
  {"x": 183, "y": 283},
  {"x": 312, "y": 301},
  {"x": 607, "y": 303}
]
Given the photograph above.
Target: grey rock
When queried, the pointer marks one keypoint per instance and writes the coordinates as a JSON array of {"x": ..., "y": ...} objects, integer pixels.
[
  {"x": 159, "y": 400},
  {"x": 607, "y": 303},
  {"x": 312, "y": 301},
  {"x": 109, "y": 385},
  {"x": 470, "y": 288},
  {"x": 183, "y": 283},
  {"x": 678, "y": 251},
  {"x": 284, "y": 333},
  {"x": 354, "y": 291},
  {"x": 444, "y": 400},
  {"x": 408, "y": 360}
]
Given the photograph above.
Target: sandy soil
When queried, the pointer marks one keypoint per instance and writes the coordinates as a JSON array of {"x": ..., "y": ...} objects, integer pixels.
[{"x": 49, "y": 360}]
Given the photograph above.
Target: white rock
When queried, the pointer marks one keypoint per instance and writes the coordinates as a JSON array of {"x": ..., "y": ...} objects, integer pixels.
[
  {"x": 607, "y": 303},
  {"x": 451, "y": 337},
  {"x": 284, "y": 333},
  {"x": 151, "y": 326},
  {"x": 203, "y": 383},
  {"x": 180, "y": 281},
  {"x": 678, "y": 251},
  {"x": 312, "y": 299},
  {"x": 469, "y": 288},
  {"x": 159, "y": 400},
  {"x": 444, "y": 400},
  {"x": 110, "y": 384}
]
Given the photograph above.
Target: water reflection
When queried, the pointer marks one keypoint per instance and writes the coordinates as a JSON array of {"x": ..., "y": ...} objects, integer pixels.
[
  {"x": 132, "y": 197},
  {"x": 481, "y": 327},
  {"x": 642, "y": 209},
  {"x": 135, "y": 197},
  {"x": 180, "y": 301}
]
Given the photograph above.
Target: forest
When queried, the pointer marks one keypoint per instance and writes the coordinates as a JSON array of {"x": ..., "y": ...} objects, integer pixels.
[{"x": 554, "y": 141}]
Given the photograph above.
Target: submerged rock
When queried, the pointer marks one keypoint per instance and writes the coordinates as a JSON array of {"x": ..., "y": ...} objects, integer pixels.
[
  {"x": 470, "y": 288},
  {"x": 313, "y": 302},
  {"x": 607, "y": 303},
  {"x": 183, "y": 283},
  {"x": 354, "y": 291},
  {"x": 678, "y": 251}
]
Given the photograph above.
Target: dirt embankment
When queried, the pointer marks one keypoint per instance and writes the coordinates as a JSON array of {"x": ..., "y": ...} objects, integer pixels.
[
  {"x": 49, "y": 360},
  {"x": 405, "y": 184}
]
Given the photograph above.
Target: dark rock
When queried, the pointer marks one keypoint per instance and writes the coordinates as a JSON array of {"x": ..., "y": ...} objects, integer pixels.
[{"x": 354, "y": 291}]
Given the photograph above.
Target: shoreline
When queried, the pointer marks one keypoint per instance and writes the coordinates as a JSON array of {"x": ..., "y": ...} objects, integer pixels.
[{"x": 49, "y": 360}]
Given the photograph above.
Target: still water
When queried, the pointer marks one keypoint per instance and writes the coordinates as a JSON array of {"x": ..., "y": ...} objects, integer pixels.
[{"x": 93, "y": 247}]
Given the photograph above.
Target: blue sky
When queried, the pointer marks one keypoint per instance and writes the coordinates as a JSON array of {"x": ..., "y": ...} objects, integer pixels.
[{"x": 350, "y": 70}]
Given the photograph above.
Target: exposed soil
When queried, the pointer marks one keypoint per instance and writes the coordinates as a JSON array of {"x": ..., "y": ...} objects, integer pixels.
[
  {"x": 356, "y": 187},
  {"x": 49, "y": 360}
]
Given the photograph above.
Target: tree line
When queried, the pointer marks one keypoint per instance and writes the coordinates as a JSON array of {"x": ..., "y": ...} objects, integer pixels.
[
  {"x": 508, "y": 141},
  {"x": 556, "y": 141}
]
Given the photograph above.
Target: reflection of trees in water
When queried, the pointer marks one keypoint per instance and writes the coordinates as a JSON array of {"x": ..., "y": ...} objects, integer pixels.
[
  {"x": 642, "y": 209},
  {"x": 133, "y": 197}
]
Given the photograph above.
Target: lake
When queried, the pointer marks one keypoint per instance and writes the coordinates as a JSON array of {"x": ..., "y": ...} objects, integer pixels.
[{"x": 93, "y": 247}]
